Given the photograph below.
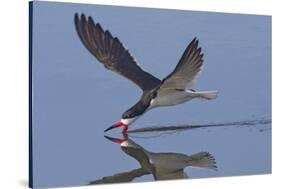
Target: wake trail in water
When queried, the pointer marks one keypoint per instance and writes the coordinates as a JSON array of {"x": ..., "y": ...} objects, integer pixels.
[{"x": 171, "y": 128}]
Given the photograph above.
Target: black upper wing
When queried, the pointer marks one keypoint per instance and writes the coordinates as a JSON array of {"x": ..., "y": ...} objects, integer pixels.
[{"x": 111, "y": 52}]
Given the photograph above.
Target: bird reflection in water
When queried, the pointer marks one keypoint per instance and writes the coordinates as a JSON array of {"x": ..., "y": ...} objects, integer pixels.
[{"x": 163, "y": 166}]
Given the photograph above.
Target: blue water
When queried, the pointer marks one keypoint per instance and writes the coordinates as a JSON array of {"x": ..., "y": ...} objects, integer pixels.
[{"x": 75, "y": 98}]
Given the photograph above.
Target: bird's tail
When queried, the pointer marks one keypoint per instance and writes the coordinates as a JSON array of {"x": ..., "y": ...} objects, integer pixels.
[
  {"x": 208, "y": 95},
  {"x": 202, "y": 160}
]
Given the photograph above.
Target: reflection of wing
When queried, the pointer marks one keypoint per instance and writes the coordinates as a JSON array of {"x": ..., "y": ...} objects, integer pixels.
[
  {"x": 140, "y": 155},
  {"x": 112, "y": 53},
  {"x": 122, "y": 177},
  {"x": 159, "y": 174},
  {"x": 186, "y": 70},
  {"x": 168, "y": 165}
]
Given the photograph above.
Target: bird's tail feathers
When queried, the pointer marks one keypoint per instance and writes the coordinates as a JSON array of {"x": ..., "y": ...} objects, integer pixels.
[
  {"x": 208, "y": 95},
  {"x": 202, "y": 160}
]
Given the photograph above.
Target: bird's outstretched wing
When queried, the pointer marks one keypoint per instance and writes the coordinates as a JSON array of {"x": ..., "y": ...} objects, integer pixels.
[
  {"x": 186, "y": 70},
  {"x": 111, "y": 52}
]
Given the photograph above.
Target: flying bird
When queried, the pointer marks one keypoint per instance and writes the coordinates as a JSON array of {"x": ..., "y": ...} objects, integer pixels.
[{"x": 176, "y": 88}]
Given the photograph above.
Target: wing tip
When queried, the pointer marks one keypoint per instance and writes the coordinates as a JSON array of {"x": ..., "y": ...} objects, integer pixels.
[
  {"x": 99, "y": 27},
  {"x": 194, "y": 46},
  {"x": 195, "y": 40},
  {"x": 76, "y": 18},
  {"x": 91, "y": 20},
  {"x": 83, "y": 18},
  {"x": 79, "y": 17}
]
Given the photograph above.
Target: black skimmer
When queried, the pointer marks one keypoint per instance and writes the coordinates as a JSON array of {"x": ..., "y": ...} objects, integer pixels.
[
  {"x": 176, "y": 88},
  {"x": 163, "y": 166}
]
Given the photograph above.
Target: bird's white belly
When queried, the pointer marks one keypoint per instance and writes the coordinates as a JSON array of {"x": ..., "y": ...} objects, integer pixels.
[{"x": 170, "y": 99}]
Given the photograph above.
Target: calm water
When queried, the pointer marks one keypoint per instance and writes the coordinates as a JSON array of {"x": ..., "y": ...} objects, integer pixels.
[{"x": 75, "y": 98}]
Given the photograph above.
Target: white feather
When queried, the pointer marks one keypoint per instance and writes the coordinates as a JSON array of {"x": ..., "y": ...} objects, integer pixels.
[{"x": 128, "y": 121}]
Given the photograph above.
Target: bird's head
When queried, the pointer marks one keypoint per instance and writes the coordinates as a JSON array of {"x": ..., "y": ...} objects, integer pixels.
[{"x": 126, "y": 119}]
